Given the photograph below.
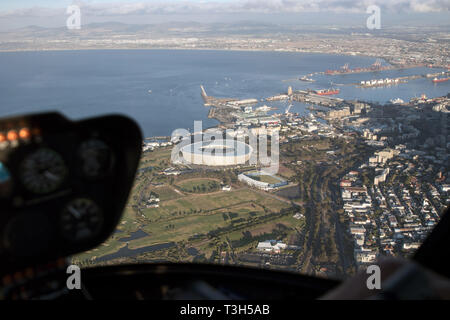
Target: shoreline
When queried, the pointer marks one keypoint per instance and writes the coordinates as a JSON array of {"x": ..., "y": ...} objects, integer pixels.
[
  {"x": 196, "y": 49},
  {"x": 318, "y": 53},
  {"x": 362, "y": 55}
]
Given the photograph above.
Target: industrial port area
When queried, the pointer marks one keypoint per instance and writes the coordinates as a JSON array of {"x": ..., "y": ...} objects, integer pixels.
[{"x": 232, "y": 111}]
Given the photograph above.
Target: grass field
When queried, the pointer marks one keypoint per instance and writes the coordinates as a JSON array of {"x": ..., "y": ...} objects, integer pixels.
[
  {"x": 218, "y": 210},
  {"x": 201, "y": 185},
  {"x": 286, "y": 172},
  {"x": 190, "y": 225},
  {"x": 166, "y": 193},
  {"x": 268, "y": 179},
  {"x": 187, "y": 209},
  {"x": 158, "y": 158},
  {"x": 211, "y": 202}
]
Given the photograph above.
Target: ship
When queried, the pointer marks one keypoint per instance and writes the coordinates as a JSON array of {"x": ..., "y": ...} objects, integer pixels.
[
  {"x": 381, "y": 82},
  {"x": 327, "y": 92},
  {"x": 438, "y": 80},
  {"x": 396, "y": 101},
  {"x": 306, "y": 79}
]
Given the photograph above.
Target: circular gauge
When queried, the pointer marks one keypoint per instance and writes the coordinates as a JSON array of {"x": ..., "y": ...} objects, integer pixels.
[
  {"x": 43, "y": 171},
  {"x": 81, "y": 219},
  {"x": 96, "y": 158}
]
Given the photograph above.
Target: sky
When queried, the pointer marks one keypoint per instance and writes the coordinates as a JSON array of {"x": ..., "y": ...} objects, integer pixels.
[{"x": 52, "y": 13}]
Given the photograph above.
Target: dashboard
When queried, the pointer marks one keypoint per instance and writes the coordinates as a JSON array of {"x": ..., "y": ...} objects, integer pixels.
[
  {"x": 63, "y": 184},
  {"x": 187, "y": 281}
]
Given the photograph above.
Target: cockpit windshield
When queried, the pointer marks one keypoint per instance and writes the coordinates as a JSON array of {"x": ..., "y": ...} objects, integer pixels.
[{"x": 310, "y": 137}]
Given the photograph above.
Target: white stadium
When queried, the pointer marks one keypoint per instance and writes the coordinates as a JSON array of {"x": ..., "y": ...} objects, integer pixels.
[{"x": 227, "y": 152}]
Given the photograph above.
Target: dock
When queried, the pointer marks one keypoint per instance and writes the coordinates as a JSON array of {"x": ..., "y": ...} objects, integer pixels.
[{"x": 312, "y": 98}]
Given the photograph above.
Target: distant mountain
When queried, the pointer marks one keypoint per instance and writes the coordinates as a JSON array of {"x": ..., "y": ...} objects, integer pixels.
[
  {"x": 198, "y": 29},
  {"x": 188, "y": 35}
]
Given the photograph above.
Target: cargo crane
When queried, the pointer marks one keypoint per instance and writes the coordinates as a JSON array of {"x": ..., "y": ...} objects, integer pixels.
[{"x": 376, "y": 65}]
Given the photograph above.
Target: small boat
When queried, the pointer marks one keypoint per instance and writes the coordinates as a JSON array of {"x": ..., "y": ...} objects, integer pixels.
[
  {"x": 438, "y": 80},
  {"x": 396, "y": 101}
]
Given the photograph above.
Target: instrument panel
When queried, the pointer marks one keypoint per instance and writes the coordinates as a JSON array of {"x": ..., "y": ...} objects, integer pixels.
[{"x": 63, "y": 184}]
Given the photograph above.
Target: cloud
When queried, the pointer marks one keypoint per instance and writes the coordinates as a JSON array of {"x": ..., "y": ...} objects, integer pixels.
[
  {"x": 33, "y": 12},
  {"x": 269, "y": 6},
  {"x": 243, "y": 6}
]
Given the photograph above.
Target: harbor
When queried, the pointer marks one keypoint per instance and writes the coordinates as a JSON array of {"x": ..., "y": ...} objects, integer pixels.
[
  {"x": 375, "y": 67},
  {"x": 175, "y": 102},
  {"x": 231, "y": 112},
  {"x": 436, "y": 78}
]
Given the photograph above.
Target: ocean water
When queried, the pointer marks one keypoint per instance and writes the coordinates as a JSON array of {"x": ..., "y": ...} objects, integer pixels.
[{"x": 82, "y": 84}]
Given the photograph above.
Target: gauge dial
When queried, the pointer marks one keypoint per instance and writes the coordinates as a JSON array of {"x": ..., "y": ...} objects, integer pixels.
[
  {"x": 81, "y": 219},
  {"x": 43, "y": 171},
  {"x": 96, "y": 158}
]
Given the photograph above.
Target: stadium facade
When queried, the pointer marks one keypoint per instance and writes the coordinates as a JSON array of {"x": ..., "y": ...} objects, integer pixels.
[{"x": 226, "y": 152}]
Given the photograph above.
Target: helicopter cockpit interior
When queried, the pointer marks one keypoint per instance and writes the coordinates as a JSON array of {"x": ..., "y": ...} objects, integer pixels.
[{"x": 63, "y": 187}]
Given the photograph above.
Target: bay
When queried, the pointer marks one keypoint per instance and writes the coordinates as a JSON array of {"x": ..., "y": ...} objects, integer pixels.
[{"x": 161, "y": 88}]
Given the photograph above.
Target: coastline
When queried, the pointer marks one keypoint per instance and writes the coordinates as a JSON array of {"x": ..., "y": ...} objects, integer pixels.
[
  {"x": 386, "y": 59},
  {"x": 196, "y": 49},
  {"x": 293, "y": 55}
]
